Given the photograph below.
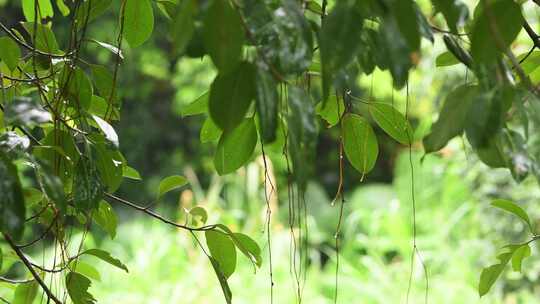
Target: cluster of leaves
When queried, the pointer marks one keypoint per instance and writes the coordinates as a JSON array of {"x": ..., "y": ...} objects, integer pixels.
[{"x": 271, "y": 57}]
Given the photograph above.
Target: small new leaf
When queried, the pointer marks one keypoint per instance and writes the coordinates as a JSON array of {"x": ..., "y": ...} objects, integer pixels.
[
  {"x": 514, "y": 209},
  {"x": 170, "y": 183}
]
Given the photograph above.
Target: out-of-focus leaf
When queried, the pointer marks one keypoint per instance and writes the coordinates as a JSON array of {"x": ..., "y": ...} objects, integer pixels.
[
  {"x": 9, "y": 52},
  {"x": 302, "y": 135},
  {"x": 222, "y": 280},
  {"x": 235, "y": 147},
  {"x": 170, "y": 183},
  {"x": 452, "y": 118},
  {"x": 407, "y": 21},
  {"x": 198, "y": 214},
  {"x": 223, "y": 35},
  {"x": 495, "y": 28},
  {"x": 89, "y": 10},
  {"x": 231, "y": 96},
  {"x": 249, "y": 247},
  {"x": 222, "y": 249},
  {"x": 25, "y": 293},
  {"x": 455, "y": 48},
  {"x": 13, "y": 143},
  {"x": 455, "y": 12},
  {"x": 86, "y": 270},
  {"x": 130, "y": 173},
  {"x": 138, "y": 21},
  {"x": 77, "y": 286},
  {"x": 183, "y": 25},
  {"x": 266, "y": 98},
  {"x": 12, "y": 208},
  {"x": 45, "y": 40},
  {"x": 62, "y": 7},
  {"x": 359, "y": 142}
]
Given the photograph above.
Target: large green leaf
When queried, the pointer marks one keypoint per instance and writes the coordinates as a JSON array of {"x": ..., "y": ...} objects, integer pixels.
[
  {"x": 222, "y": 249},
  {"x": 223, "y": 35},
  {"x": 455, "y": 12},
  {"x": 87, "y": 185},
  {"x": 392, "y": 122},
  {"x": 446, "y": 59},
  {"x": 76, "y": 86},
  {"x": 235, "y": 147},
  {"x": 488, "y": 277},
  {"x": 25, "y": 293},
  {"x": 44, "y": 9},
  {"x": 249, "y": 247},
  {"x": 521, "y": 253},
  {"x": 331, "y": 110},
  {"x": 340, "y": 40},
  {"x": 43, "y": 39},
  {"x": 231, "y": 95},
  {"x": 495, "y": 28},
  {"x": 12, "y": 207},
  {"x": 109, "y": 162},
  {"x": 183, "y": 25},
  {"x": 9, "y": 52},
  {"x": 138, "y": 21},
  {"x": 77, "y": 286},
  {"x": 452, "y": 118},
  {"x": 89, "y": 10},
  {"x": 198, "y": 106},
  {"x": 359, "y": 142},
  {"x": 209, "y": 131},
  {"x": 106, "y": 257},
  {"x": 407, "y": 21},
  {"x": 266, "y": 98},
  {"x": 302, "y": 135}
]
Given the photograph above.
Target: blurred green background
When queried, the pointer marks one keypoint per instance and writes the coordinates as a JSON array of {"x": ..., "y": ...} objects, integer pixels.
[{"x": 458, "y": 233}]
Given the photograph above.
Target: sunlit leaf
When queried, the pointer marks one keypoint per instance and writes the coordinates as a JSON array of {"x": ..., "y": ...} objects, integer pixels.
[
  {"x": 170, "y": 183},
  {"x": 235, "y": 147},
  {"x": 106, "y": 257},
  {"x": 359, "y": 143},
  {"x": 77, "y": 286},
  {"x": 392, "y": 122},
  {"x": 10, "y": 53},
  {"x": 222, "y": 249},
  {"x": 513, "y": 208}
]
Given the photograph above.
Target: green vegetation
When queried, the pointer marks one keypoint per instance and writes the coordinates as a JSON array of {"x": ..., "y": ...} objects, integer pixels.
[{"x": 282, "y": 151}]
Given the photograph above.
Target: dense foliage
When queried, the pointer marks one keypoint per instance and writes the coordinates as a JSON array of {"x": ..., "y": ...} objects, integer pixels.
[{"x": 60, "y": 162}]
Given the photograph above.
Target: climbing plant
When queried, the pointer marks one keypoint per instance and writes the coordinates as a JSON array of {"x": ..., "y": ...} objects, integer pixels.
[{"x": 284, "y": 69}]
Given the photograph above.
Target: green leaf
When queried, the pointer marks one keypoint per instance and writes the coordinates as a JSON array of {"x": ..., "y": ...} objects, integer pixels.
[
  {"x": 314, "y": 7},
  {"x": 222, "y": 249},
  {"x": 45, "y": 9},
  {"x": 77, "y": 87},
  {"x": 446, "y": 59},
  {"x": 62, "y": 7},
  {"x": 77, "y": 287},
  {"x": 25, "y": 293},
  {"x": 340, "y": 41},
  {"x": 209, "y": 131},
  {"x": 12, "y": 208},
  {"x": 89, "y": 10},
  {"x": 10, "y": 53},
  {"x": 249, "y": 247},
  {"x": 266, "y": 99},
  {"x": 131, "y": 173},
  {"x": 331, "y": 110},
  {"x": 235, "y": 147},
  {"x": 485, "y": 118},
  {"x": 109, "y": 162},
  {"x": 105, "y": 256},
  {"x": 452, "y": 118},
  {"x": 86, "y": 270},
  {"x": 222, "y": 280},
  {"x": 494, "y": 29},
  {"x": 170, "y": 183},
  {"x": 25, "y": 111},
  {"x": 359, "y": 143},
  {"x": 407, "y": 21},
  {"x": 198, "y": 214},
  {"x": 223, "y": 35},
  {"x": 87, "y": 185},
  {"x": 106, "y": 218},
  {"x": 302, "y": 135},
  {"x": 488, "y": 277},
  {"x": 519, "y": 255},
  {"x": 62, "y": 153},
  {"x": 183, "y": 25},
  {"x": 231, "y": 95},
  {"x": 108, "y": 130},
  {"x": 514, "y": 209},
  {"x": 198, "y": 106},
  {"x": 454, "y": 47},
  {"x": 53, "y": 187},
  {"x": 45, "y": 40},
  {"x": 100, "y": 107},
  {"x": 111, "y": 48},
  {"x": 392, "y": 122},
  {"x": 103, "y": 80},
  {"x": 392, "y": 51},
  {"x": 138, "y": 21},
  {"x": 455, "y": 12}
]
